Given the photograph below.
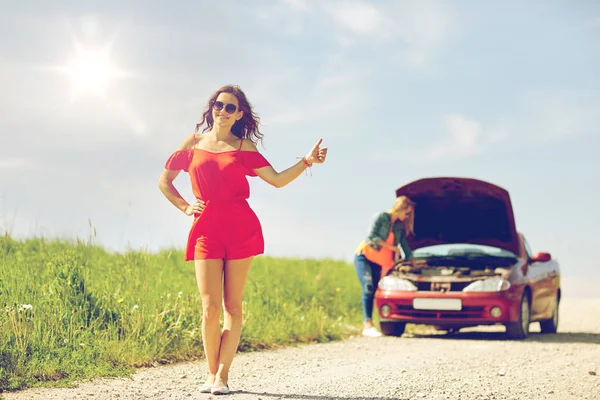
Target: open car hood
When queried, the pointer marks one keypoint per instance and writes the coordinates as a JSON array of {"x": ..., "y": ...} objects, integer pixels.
[{"x": 461, "y": 210}]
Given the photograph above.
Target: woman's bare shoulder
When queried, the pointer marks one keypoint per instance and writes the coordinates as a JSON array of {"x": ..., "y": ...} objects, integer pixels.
[
  {"x": 248, "y": 145},
  {"x": 190, "y": 141}
]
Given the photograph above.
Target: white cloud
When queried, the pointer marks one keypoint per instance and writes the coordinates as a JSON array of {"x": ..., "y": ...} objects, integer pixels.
[
  {"x": 542, "y": 117},
  {"x": 463, "y": 138},
  {"x": 357, "y": 17},
  {"x": 416, "y": 29}
]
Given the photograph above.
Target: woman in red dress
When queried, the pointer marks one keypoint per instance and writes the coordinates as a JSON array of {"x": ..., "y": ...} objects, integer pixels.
[{"x": 225, "y": 234}]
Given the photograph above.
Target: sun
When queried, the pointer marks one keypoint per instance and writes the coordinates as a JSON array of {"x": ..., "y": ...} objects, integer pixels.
[
  {"x": 88, "y": 66},
  {"x": 91, "y": 71}
]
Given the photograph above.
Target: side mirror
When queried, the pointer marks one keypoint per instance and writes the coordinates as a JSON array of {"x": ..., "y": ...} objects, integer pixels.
[{"x": 541, "y": 257}]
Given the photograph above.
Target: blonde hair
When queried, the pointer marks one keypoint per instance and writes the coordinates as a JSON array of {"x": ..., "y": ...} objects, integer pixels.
[{"x": 403, "y": 203}]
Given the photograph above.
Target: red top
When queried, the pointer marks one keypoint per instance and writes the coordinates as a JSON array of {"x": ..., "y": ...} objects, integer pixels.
[
  {"x": 220, "y": 180},
  {"x": 218, "y": 176}
]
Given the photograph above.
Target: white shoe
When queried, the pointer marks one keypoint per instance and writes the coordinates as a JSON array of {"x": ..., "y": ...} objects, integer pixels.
[
  {"x": 204, "y": 388},
  {"x": 220, "y": 389},
  {"x": 371, "y": 332}
]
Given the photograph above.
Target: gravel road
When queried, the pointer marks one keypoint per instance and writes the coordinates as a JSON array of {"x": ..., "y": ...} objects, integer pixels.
[{"x": 473, "y": 364}]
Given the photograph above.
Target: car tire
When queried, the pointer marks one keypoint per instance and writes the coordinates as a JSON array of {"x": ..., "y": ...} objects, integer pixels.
[
  {"x": 389, "y": 328},
  {"x": 551, "y": 325},
  {"x": 520, "y": 329}
]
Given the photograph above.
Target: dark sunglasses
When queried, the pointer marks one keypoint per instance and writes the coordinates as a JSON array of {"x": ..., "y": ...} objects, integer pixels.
[{"x": 230, "y": 108}]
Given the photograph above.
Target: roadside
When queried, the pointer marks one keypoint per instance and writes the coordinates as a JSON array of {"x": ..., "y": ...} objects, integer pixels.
[{"x": 474, "y": 364}]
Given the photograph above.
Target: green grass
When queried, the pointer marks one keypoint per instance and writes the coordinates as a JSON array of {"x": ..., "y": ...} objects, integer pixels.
[{"x": 94, "y": 313}]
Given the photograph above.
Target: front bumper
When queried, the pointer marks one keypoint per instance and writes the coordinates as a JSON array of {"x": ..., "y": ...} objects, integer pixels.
[{"x": 475, "y": 308}]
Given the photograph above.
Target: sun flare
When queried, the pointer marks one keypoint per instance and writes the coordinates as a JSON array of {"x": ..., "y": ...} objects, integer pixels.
[
  {"x": 91, "y": 71},
  {"x": 95, "y": 78}
]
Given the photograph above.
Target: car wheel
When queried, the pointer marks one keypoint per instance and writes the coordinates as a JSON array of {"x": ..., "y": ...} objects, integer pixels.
[
  {"x": 389, "y": 328},
  {"x": 520, "y": 329},
  {"x": 551, "y": 325}
]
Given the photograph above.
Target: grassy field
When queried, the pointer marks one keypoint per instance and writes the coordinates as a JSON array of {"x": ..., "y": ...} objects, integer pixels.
[{"x": 74, "y": 311}]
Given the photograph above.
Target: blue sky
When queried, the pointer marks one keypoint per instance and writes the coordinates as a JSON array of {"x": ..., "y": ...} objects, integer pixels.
[{"x": 502, "y": 91}]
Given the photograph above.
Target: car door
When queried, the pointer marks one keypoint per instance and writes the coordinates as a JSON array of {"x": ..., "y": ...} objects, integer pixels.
[{"x": 541, "y": 281}]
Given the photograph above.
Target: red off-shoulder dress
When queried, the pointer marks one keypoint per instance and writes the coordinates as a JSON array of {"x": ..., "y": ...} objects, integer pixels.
[{"x": 227, "y": 228}]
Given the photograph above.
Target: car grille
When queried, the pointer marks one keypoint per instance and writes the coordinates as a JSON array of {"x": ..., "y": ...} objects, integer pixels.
[
  {"x": 466, "y": 312},
  {"x": 423, "y": 286}
]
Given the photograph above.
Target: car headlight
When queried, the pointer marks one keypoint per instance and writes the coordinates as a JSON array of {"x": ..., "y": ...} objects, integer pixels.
[
  {"x": 393, "y": 283},
  {"x": 495, "y": 284}
]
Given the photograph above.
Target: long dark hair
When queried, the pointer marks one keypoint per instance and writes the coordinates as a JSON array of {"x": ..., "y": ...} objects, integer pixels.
[{"x": 246, "y": 127}]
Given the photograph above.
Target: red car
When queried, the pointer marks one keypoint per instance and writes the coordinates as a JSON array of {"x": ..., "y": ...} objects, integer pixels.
[{"x": 471, "y": 266}]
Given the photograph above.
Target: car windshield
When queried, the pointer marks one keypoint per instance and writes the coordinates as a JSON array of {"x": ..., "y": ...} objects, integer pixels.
[{"x": 461, "y": 250}]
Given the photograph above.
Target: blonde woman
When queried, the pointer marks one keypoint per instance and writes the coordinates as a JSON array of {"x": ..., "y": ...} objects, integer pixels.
[{"x": 379, "y": 251}]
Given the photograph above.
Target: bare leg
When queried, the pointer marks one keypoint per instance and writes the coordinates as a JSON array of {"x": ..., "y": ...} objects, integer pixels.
[
  {"x": 209, "y": 275},
  {"x": 236, "y": 275}
]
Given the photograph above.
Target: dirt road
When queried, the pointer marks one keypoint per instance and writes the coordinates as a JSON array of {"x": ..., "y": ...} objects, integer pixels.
[{"x": 475, "y": 364}]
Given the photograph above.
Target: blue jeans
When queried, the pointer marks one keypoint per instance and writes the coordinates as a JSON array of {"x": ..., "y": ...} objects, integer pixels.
[{"x": 368, "y": 274}]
